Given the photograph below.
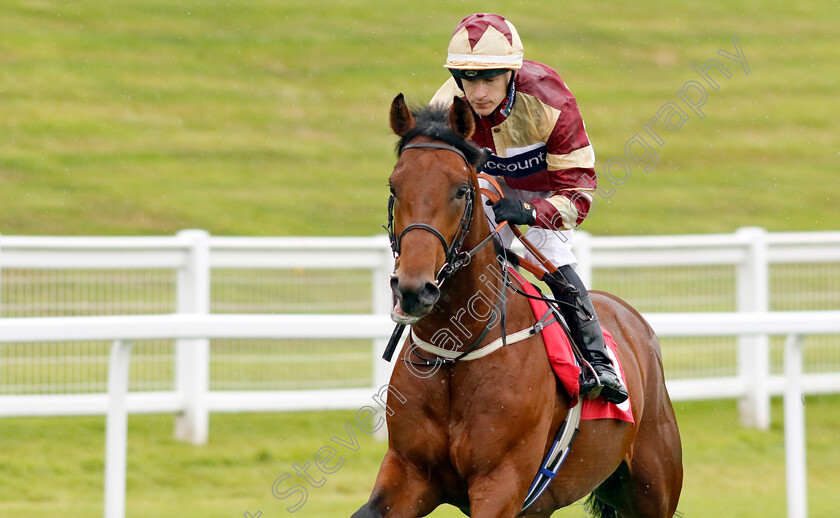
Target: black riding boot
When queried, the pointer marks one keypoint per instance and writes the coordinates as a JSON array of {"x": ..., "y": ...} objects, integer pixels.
[{"x": 579, "y": 313}]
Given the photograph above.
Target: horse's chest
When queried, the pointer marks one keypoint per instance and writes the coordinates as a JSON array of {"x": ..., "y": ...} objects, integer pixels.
[{"x": 460, "y": 423}]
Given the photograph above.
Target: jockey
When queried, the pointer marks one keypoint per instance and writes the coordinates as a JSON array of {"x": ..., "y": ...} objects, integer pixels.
[{"x": 541, "y": 155}]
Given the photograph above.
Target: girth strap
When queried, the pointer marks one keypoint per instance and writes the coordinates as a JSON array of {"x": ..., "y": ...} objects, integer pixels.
[{"x": 563, "y": 440}]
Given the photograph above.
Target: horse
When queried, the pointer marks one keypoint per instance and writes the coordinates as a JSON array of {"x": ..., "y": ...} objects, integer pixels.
[{"x": 473, "y": 433}]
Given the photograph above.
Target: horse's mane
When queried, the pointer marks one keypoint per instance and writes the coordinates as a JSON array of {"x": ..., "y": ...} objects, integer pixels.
[{"x": 433, "y": 121}]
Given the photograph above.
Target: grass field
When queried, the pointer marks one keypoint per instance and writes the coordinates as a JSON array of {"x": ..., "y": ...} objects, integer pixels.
[
  {"x": 269, "y": 118},
  {"x": 47, "y": 465}
]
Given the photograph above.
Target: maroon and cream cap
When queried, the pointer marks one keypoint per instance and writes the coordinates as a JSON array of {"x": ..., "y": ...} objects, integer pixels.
[{"x": 484, "y": 41}]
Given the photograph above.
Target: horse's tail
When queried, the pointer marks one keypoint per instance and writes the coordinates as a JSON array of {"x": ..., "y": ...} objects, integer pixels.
[{"x": 598, "y": 509}]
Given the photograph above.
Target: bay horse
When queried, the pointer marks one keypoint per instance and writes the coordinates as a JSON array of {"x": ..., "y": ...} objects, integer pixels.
[{"x": 473, "y": 433}]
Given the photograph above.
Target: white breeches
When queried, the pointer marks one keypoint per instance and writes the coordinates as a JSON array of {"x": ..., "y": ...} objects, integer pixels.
[{"x": 555, "y": 245}]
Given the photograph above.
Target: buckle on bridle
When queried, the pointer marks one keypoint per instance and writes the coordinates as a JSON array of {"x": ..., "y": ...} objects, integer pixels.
[
  {"x": 445, "y": 271},
  {"x": 462, "y": 259}
]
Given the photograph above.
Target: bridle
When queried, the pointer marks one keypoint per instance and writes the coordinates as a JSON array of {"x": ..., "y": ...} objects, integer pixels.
[{"x": 456, "y": 258}]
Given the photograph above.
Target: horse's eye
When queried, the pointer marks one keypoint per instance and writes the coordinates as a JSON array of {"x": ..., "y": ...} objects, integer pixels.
[
  {"x": 462, "y": 191},
  {"x": 391, "y": 188}
]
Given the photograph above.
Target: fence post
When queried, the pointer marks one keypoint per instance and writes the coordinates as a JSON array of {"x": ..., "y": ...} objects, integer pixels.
[
  {"x": 192, "y": 357},
  {"x": 795, "y": 470},
  {"x": 752, "y": 285},
  {"x": 382, "y": 306},
  {"x": 116, "y": 430}
]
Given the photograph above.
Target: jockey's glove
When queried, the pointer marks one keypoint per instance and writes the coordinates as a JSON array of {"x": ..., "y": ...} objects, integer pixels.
[{"x": 515, "y": 211}]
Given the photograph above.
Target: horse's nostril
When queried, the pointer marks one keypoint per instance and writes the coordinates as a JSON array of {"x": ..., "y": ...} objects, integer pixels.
[
  {"x": 429, "y": 294},
  {"x": 414, "y": 298}
]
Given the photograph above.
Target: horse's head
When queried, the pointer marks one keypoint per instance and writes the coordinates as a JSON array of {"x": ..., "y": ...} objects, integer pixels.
[{"x": 433, "y": 198}]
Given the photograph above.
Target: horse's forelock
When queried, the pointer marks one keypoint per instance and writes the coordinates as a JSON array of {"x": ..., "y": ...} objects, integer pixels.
[{"x": 433, "y": 121}]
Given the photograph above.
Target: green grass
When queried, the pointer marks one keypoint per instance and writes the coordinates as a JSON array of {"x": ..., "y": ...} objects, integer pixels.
[
  {"x": 57, "y": 463},
  {"x": 270, "y": 118}
]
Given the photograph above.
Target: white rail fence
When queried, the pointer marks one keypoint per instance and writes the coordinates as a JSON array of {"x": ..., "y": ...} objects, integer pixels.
[
  {"x": 196, "y": 328},
  {"x": 196, "y": 260},
  {"x": 195, "y": 257},
  {"x": 792, "y": 324}
]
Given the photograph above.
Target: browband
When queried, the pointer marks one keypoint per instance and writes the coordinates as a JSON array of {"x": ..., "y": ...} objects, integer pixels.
[{"x": 437, "y": 146}]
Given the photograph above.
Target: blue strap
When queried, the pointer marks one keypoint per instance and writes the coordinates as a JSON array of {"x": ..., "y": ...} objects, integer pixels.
[{"x": 555, "y": 457}]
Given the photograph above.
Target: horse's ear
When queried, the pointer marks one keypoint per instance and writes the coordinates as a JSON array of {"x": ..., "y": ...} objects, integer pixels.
[
  {"x": 401, "y": 119},
  {"x": 461, "y": 119}
]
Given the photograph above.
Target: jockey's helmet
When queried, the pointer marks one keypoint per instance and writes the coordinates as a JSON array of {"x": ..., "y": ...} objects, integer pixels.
[{"x": 484, "y": 45}]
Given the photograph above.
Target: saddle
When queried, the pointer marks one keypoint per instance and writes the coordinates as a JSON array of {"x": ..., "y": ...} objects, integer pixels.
[{"x": 563, "y": 359}]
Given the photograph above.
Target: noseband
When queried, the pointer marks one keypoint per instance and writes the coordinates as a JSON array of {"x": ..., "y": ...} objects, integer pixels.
[{"x": 455, "y": 257}]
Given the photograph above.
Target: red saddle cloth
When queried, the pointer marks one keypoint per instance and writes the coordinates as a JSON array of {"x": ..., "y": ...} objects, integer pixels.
[{"x": 563, "y": 362}]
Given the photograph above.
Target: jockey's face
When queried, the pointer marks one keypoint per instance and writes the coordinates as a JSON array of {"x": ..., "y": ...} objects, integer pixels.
[{"x": 485, "y": 95}]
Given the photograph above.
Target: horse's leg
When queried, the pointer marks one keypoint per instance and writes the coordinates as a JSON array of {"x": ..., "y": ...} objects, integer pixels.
[
  {"x": 649, "y": 486},
  {"x": 400, "y": 491},
  {"x": 495, "y": 494},
  {"x": 499, "y": 444},
  {"x": 648, "y": 482},
  {"x": 491, "y": 500},
  {"x": 634, "y": 494}
]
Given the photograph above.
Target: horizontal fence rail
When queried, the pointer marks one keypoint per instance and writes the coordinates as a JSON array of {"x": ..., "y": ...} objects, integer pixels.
[
  {"x": 199, "y": 313},
  {"x": 365, "y": 326},
  {"x": 123, "y": 330},
  {"x": 193, "y": 326},
  {"x": 339, "y": 283}
]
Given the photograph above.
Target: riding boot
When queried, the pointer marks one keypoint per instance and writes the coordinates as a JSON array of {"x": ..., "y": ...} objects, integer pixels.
[{"x": 579, "y": 313}]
